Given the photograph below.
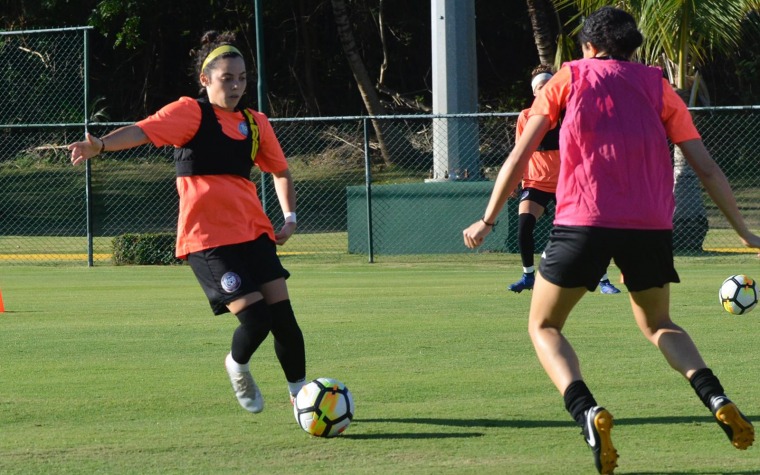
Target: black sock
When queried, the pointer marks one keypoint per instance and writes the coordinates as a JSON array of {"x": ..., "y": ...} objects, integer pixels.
[
  {"x": 255, "y": 322},
  {"x": 288, "y": 341},
  {"x": 578, "y": 400},
  {"x": 706, "y": 385},
  {"x": 526, "y": 224}
]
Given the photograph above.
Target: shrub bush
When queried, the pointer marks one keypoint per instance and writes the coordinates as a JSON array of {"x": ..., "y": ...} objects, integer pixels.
[{"x": 145, "y": 249}]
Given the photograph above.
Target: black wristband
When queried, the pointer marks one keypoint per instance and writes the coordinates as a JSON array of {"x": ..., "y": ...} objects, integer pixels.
[
  {"x": 102, "y": 146},
  {"x": 493, "y": 225}
]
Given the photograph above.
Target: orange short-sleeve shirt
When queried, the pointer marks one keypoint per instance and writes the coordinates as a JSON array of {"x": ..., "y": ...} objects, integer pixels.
[
  {"x": 215, "y": 210},
  {"x": 542, "y": 171}
]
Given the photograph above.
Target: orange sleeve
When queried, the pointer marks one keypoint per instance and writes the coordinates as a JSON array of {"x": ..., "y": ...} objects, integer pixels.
[
  {"x": 676, "y": 116},
  {"x": 174, "y": 124},
  {"x": 552, "y": 98},
  {"x": 522, "y": 119}
]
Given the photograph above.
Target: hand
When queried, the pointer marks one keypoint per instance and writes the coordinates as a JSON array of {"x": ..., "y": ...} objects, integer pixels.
[
  {"x": 476, "y": 234},
  {"x": 751, "y": 240},
  {"x": 286, "y": 231},
  {"x": 85, "y": 150}
]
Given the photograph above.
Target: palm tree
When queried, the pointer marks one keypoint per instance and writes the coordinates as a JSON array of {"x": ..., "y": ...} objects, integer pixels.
[
  {"x": 544, "y": 21},
  {"x": 680, "y": 36}
]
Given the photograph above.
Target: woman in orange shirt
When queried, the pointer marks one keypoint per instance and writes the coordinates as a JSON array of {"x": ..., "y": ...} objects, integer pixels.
[
  {"x": 539, "y": 187},
  {"x": 222, "y": 229}
]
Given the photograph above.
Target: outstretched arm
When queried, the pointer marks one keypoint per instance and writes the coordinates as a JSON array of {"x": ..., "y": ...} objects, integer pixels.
[
  {"x": 120, "y": 139},
  {"x": 286, "y": 195},
  {"x": 509, "y": 177},
  {"x": 718, "y": 188}
]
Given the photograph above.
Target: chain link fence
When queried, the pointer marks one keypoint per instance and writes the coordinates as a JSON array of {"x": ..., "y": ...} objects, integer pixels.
[{"x": 392, "y": 185}]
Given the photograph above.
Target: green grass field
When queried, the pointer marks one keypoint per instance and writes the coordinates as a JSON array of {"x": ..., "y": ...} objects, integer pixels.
[{"x": 119, "y": 370}]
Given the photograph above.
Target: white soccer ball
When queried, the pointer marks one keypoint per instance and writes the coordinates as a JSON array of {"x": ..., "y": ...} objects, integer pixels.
[
  {"x": 738, "y": 294},
  {"x": 324, "y": 407}
]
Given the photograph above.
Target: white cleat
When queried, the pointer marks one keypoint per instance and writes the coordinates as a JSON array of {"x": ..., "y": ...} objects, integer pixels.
[{"x": 246, "y": 391}]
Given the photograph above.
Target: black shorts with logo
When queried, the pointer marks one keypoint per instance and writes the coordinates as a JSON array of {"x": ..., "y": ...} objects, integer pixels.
[
  {"x": 578, "y": 256},
  {"x": 227, "y": 273},
  {"x": 543, "y": 198}
]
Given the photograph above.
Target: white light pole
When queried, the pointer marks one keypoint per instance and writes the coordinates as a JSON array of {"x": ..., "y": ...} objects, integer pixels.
[{"x": 455, "y": 90}]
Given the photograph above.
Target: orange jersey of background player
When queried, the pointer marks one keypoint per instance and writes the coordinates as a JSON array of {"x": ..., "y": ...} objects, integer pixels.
[
  {"x": 215, "y": 210},
  {"x": 543, "y": 167}
]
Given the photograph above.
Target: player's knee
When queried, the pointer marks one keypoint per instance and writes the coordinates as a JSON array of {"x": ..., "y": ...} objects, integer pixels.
[
  {"x": 256, "y": 316},
  {"x": 284, "y": 324}
]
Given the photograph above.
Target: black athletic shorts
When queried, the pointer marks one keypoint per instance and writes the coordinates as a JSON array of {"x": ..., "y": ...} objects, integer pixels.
[
  {"x": 227, "y": 273},
  {"x": 537, "y": 196},
  {"x": 578, "y": 256}
]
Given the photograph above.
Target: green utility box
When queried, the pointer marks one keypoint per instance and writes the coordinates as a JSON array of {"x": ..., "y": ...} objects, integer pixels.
[{"x": 428, "y": 218}]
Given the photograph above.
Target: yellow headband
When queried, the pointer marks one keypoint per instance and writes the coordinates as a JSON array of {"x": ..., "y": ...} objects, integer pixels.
[{"x": 217, "y": 52}]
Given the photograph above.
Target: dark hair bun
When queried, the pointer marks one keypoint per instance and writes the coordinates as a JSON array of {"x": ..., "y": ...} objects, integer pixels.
[
  {"x": 209, "y": 37},
  {"x": 613, "y": 31}
]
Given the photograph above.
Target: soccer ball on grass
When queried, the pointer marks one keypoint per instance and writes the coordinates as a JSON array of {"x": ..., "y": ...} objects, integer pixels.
[
  {"x": 738, "y": 294},
  {"x": 324, "y": 407}
]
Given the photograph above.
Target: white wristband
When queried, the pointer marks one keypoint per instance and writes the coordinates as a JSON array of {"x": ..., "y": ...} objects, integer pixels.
[{"x": 290, "y": 217}]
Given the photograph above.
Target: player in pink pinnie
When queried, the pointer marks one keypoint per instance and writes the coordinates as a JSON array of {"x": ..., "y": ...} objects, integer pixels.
[{"x": 615, "y": 201}]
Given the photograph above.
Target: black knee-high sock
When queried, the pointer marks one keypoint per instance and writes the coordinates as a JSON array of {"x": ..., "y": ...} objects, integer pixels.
[
  {"x": 288, "y": 341},
  {"x": 255, "y": 323},
  {"x": 706, "y": 385},
  {"x": 578, "y": 399},
  {"x": 526, "y": 224}
]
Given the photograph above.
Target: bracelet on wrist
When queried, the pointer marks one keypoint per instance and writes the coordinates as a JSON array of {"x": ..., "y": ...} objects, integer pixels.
[
  {"x": 102, "y": 145},
  {"x": 290, "y": 217},
  {"x": 493, "y": 225}
]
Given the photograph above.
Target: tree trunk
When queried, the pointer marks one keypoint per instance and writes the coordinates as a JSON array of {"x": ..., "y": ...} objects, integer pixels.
[
  {"x": 542, "y": 19},
  {"x": 308, "y": 88},
  {"x": 363, "y": 81}
]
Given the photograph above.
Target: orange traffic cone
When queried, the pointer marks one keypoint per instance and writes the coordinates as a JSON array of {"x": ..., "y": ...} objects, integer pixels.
[{"x": 2, "y": 307}]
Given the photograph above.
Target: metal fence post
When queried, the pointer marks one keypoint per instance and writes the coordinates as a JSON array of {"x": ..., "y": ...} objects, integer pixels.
[
  {"x": 368, "y": 188},
  {"x": 261, "y": 85},
  {"x": 88, "y": 167}
]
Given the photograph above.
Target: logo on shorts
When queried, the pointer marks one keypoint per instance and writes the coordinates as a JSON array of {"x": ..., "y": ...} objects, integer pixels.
[
  {"x": 230, "y": 282},
  {"x": 524, "y": 195},
  {"x": 243, "y": 128}
]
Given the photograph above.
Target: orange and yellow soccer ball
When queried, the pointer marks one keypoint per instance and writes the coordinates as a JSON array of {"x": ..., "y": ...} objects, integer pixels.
[
  {"x": 738, "y": 294},
  {"x": 324, "y": 407}
]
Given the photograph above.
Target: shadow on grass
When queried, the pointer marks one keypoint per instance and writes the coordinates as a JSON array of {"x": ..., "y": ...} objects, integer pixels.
[
  {"x": 671, "y": 420},
  {"x": 413, "y": 435},
  {"x": 729, "y": 472},
  {"x": 523, "y": 424},
  {"x": 519, "y": 424},
  {"x": 528, "y": 424}
]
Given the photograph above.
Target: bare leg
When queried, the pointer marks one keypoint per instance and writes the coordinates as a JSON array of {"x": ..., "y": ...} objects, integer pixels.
[
  {"x": 531, "y": 207},
  {"x": 549, "y": 309},
  {"x": 651, "y": 308}
]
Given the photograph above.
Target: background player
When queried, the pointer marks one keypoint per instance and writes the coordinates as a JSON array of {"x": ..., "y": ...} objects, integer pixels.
[{"x": 539, "y": 185}]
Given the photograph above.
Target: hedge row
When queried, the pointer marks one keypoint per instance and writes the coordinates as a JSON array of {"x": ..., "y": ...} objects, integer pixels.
[{"x": 145, "y": 249}]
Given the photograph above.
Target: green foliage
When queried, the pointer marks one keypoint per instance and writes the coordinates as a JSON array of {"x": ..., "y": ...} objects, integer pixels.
[
  {"x": 679, "y": 34},
  {"x": 126, "y": 13},
  {"x": 139, "y": 50},
  {"x": 145, "y": 249}
]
